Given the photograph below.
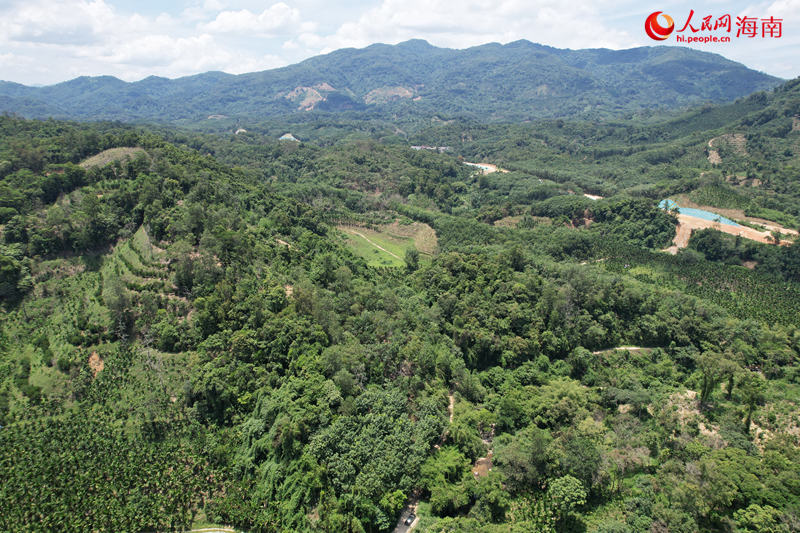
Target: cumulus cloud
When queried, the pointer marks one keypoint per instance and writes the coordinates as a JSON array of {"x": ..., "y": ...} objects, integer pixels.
[
  {"x": 45, "y": 42},
  {"x": 276, "y": 17},
  {"x": 42, "y": 41},
  {"x": 475, "y": 22},
  {"x": 61, "y": 23},
  {"x": 776, "y": 56}
]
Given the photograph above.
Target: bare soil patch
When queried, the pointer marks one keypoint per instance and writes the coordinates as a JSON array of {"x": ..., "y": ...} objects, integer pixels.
[
  {"x": 450, "y": 406},
  {"x": 306, "y": 98},
  {"x": 625, "y": 348},
  {"x": 736, "y": 214},
  {"x": 483, "y": 466},
  {"x": 737, "y": 141},
  {"x": 96, "y": 363},
  {"x": 487, "y": 168},
  {"x": 686, "y": 224}
]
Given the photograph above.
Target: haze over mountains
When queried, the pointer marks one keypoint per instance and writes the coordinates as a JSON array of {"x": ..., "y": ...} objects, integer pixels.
[{"x": 492, "y": 82}]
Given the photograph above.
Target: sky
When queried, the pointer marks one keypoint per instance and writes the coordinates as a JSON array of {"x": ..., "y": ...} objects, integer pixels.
[{"x": 44, "y": 42}]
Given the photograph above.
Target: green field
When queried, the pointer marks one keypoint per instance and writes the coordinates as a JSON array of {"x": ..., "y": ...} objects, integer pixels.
[
  {"x": 377, "y": 248},
  {"x": 387, "y": 247}
]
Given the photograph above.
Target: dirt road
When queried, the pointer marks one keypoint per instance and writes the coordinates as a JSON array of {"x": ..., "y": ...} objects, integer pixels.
[
  {"x": 688, "y": 223},
  {"x": 401, "y": 527}
]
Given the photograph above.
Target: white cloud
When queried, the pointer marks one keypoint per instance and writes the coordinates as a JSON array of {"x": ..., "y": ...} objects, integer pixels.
[
  {"x": 76, "y": 22},
  {"x": 43, "y": 41},
  {"x": 789, "y": 10},
  {"x": 476, "y": 22},
  {"x": 277, "y": 17}
]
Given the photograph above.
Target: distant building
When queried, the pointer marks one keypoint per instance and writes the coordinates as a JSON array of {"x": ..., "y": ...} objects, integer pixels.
[
  {"x": 241, "y": 130},
  {"x": 288, "y": 137}
]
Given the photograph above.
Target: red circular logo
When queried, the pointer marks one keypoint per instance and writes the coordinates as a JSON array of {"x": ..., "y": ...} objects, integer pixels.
[{"x": 655, "y": 30}]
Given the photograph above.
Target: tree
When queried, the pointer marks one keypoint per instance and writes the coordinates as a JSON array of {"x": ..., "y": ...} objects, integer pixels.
[
  {"x": 524, "y": 458},
  {"x": 758, "y": 519},
  {"x": 566, "y": 494},
  {"x": 118, "y": 302},
  {"x": 752, "y": 387},
  {"x": 714, "y": 367},
  {"x": 412, "y": 259}
]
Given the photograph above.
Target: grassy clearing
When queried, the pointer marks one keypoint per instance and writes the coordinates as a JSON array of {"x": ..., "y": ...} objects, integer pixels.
[
  {"x": 387, "y": 245},
  {"x": 113, "y": 154},
  {"x": 423, "y": 235},
  {"x": 378, "y": 249}
]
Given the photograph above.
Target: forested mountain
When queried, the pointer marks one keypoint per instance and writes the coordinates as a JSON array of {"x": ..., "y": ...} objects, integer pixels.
[
  {"x": 200, "y": 329},
  {"x": 492, "y": 82}
]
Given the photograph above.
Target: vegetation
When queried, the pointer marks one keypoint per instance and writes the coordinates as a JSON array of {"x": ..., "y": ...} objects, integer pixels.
[
  {"x": 516, "y": 81},
  {"x": 187, "y": 334}
]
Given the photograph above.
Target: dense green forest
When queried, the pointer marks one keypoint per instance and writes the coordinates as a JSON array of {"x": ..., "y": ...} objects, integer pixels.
[
  {"x": 413, "y": 80},
  {"x": 197, "y": 328}
]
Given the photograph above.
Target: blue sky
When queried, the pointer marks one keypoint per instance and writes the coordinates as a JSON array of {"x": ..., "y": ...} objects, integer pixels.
[{"x": 45, "y": 41}]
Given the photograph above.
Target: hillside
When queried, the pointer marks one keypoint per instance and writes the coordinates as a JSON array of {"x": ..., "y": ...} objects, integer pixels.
[
  {"x": 278, "y": 336},
  {"x": 492, "y": 82}
]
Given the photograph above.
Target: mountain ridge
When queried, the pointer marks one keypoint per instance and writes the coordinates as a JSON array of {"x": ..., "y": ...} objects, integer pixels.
[{"x": 516, "y": 81}]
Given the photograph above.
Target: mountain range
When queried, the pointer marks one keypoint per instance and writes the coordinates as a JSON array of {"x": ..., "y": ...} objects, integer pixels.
[{"x": 492, "y": 82}]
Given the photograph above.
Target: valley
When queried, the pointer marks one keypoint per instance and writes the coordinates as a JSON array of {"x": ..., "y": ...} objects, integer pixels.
[{"x": 205, "y": 327}]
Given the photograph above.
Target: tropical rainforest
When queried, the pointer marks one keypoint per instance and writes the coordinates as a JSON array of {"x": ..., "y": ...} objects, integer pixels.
[{"x": 203, "y": 328}]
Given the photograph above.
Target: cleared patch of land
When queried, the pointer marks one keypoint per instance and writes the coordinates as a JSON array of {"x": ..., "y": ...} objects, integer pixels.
[
  {"x": 386, "y": 245},
  {"x": 686, "y": 224},
  {"x": 383, "y": 95},
  {"x": 423, "y": 235},
  {"x": 96, "y": 363},
  {"x": 112, "y": 154},
  {"x": 736, "y": 141},
  {"x": 508, "y": 222},
  {"x": 624, "y": 348},
  {"x": 487, "y": 168},
  {"x": 736, "y": 214}
]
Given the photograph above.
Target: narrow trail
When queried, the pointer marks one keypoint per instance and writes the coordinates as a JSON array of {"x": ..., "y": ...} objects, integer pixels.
[
  {"x": 483, "y": 465},
  {"x": 451, "y": 406},
  {"x": 376, "y": 245}
]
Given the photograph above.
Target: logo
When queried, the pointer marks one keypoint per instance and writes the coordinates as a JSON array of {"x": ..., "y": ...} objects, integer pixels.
[
  {"x": 656, "y": 31},
  {"x": 709, "y": 29}
]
